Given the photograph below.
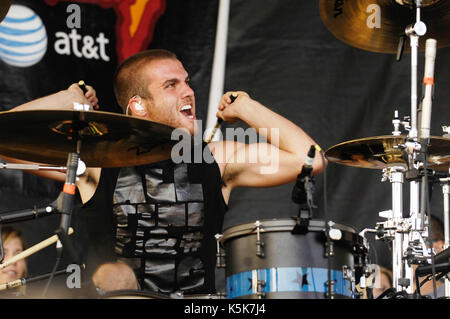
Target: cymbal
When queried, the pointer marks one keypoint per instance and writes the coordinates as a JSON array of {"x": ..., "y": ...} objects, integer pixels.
[
  {"x": 348, "y": 21},
  {"x": 107, "y": 139},
  {"x": 4, "y": 8},
  {"x": 380, "y": 152}
]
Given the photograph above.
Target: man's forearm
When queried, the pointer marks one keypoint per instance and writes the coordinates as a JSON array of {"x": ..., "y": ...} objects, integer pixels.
[
  {"x": 61, "y": 100},
  {"x": 278, "y": 130}
]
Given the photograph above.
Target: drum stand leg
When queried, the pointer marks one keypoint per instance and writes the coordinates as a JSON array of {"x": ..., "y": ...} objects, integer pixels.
[
  {"x": 446, "y": 192},
  {"x": 397, "y": 229},
  {"x": 401, "y": 271}
]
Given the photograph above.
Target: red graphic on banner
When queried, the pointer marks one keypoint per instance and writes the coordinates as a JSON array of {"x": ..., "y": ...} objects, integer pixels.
[{"x": 136, "y": 20}]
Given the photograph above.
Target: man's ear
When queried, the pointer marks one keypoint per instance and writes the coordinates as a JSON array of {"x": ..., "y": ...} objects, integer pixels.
[{"x": 136, "y": 107}]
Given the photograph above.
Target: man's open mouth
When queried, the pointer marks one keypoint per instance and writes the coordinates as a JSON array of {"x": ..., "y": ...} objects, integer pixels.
[{"x": 186, "y": 110}]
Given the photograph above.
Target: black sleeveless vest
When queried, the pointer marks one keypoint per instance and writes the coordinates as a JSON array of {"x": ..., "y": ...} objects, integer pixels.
[{"x": 164, "y": 219}]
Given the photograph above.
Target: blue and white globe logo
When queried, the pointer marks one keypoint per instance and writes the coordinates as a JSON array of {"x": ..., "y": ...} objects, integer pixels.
[{"x": 23, "y": 38}]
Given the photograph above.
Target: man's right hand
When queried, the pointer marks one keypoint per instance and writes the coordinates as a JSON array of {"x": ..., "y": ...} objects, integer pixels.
[{"x": 90, "y": 96}]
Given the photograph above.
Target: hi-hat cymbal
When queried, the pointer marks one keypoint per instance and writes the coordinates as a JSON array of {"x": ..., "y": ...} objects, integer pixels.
[
  {"x": 107, "y": 139},
  {"x": 381, "y": 151},
  {"x": 4, "y": 8},
  {"x": 354, "y": 22}
]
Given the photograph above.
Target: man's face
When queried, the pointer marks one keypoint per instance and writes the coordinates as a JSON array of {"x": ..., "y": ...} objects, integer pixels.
[{"x": 173, "y": 100}]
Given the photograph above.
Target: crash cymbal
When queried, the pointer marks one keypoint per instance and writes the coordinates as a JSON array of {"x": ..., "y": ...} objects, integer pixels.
[
  {"x": 348, "y": 21},
  {"x": 4, "y": 8},
  {"x": 380, "y": 152},
  {"x": 107, "y": 139}
]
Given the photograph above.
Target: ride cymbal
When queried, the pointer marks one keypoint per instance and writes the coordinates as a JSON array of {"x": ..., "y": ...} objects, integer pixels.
[
  {"x": 381, "y": 151},
  {"x": 376, "y": 25},
  {"x": 107, "y": 139}
]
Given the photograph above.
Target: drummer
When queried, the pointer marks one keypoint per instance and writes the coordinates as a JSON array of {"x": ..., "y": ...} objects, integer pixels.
[{"x": 163, "y": 216}]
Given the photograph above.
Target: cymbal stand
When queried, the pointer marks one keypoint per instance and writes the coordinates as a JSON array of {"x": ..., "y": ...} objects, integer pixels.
[
  {"x": 445, "y": 182},
  {"x": 406, "y": 233},
  {"x": 414, "y": 31},
  {"x": 408, "y": 245},
  {"x": 80, "y": 169},
  {"x": 396, "y": 229},
  {"x": 66, "y": 203},
  {"x": 67, "y": 197}
]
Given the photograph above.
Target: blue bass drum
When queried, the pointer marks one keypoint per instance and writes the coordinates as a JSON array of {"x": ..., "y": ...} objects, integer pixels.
[{"x": 265, "y": 260}]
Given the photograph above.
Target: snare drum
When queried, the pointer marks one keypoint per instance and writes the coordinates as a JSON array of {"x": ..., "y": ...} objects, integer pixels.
[{"x": 265, "y": 260}]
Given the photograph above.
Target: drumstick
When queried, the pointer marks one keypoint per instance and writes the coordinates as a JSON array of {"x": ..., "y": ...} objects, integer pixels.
[
  {"x": 219, "y": 121},
  {"x": 82, "y": 86},
  {"x": 24, "y": 254}
]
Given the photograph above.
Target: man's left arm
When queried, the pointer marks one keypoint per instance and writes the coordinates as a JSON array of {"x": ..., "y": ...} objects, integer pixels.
[{"x": 276, "y": 162}]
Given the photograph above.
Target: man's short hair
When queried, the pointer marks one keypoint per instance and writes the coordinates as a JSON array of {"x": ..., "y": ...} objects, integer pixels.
[{"x": 128, "y": 78}]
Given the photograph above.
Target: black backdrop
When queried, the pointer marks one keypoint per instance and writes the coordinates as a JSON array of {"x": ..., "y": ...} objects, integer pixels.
[{"x": 283, "y": 56}]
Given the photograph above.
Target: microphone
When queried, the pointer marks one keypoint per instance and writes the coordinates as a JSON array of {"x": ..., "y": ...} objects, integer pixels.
[
  {"x": 26, "y": 214},
  {"x": 428, "y": 81},
  {"x": 302, "y": 191},
  {"x": 67, "y": 197}
]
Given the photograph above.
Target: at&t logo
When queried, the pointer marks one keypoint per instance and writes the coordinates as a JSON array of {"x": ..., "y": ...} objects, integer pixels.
[{"x": 23, "y": 38}]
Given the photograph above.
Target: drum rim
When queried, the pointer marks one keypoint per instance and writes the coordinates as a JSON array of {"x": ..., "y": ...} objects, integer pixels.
[
  {"x": 133, "y": 293},
  {"x": 277, "y": 225}
]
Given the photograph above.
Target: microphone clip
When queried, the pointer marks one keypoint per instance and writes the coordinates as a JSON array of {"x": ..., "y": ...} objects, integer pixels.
[{"x": 302, "y": 194}]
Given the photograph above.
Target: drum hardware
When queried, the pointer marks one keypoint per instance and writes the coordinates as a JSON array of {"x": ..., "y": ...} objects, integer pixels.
[
  {"x": 349, "y": 274},
  {"x": 439, "y": 268},
  {"x": 332, "y": 234},
  {"x": 259, "y": 242},
  {"x": 81, "y": 169},
  {"x": 221, "y": 295},
  {"x": 182, "y": 295},
  {"x": 329, "y": 253},
  {"x": 220, "y": 256},
  {"x": 302, "y": 194},
  {"x": 401, "y": 158},
  {"x": 446, "y": 130},
  {"x": 446, "y": 194},
  {"x": 329, "y": 294},
  {"x": 259, "y": 285},
  {"x": 396, "y": 122}
]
